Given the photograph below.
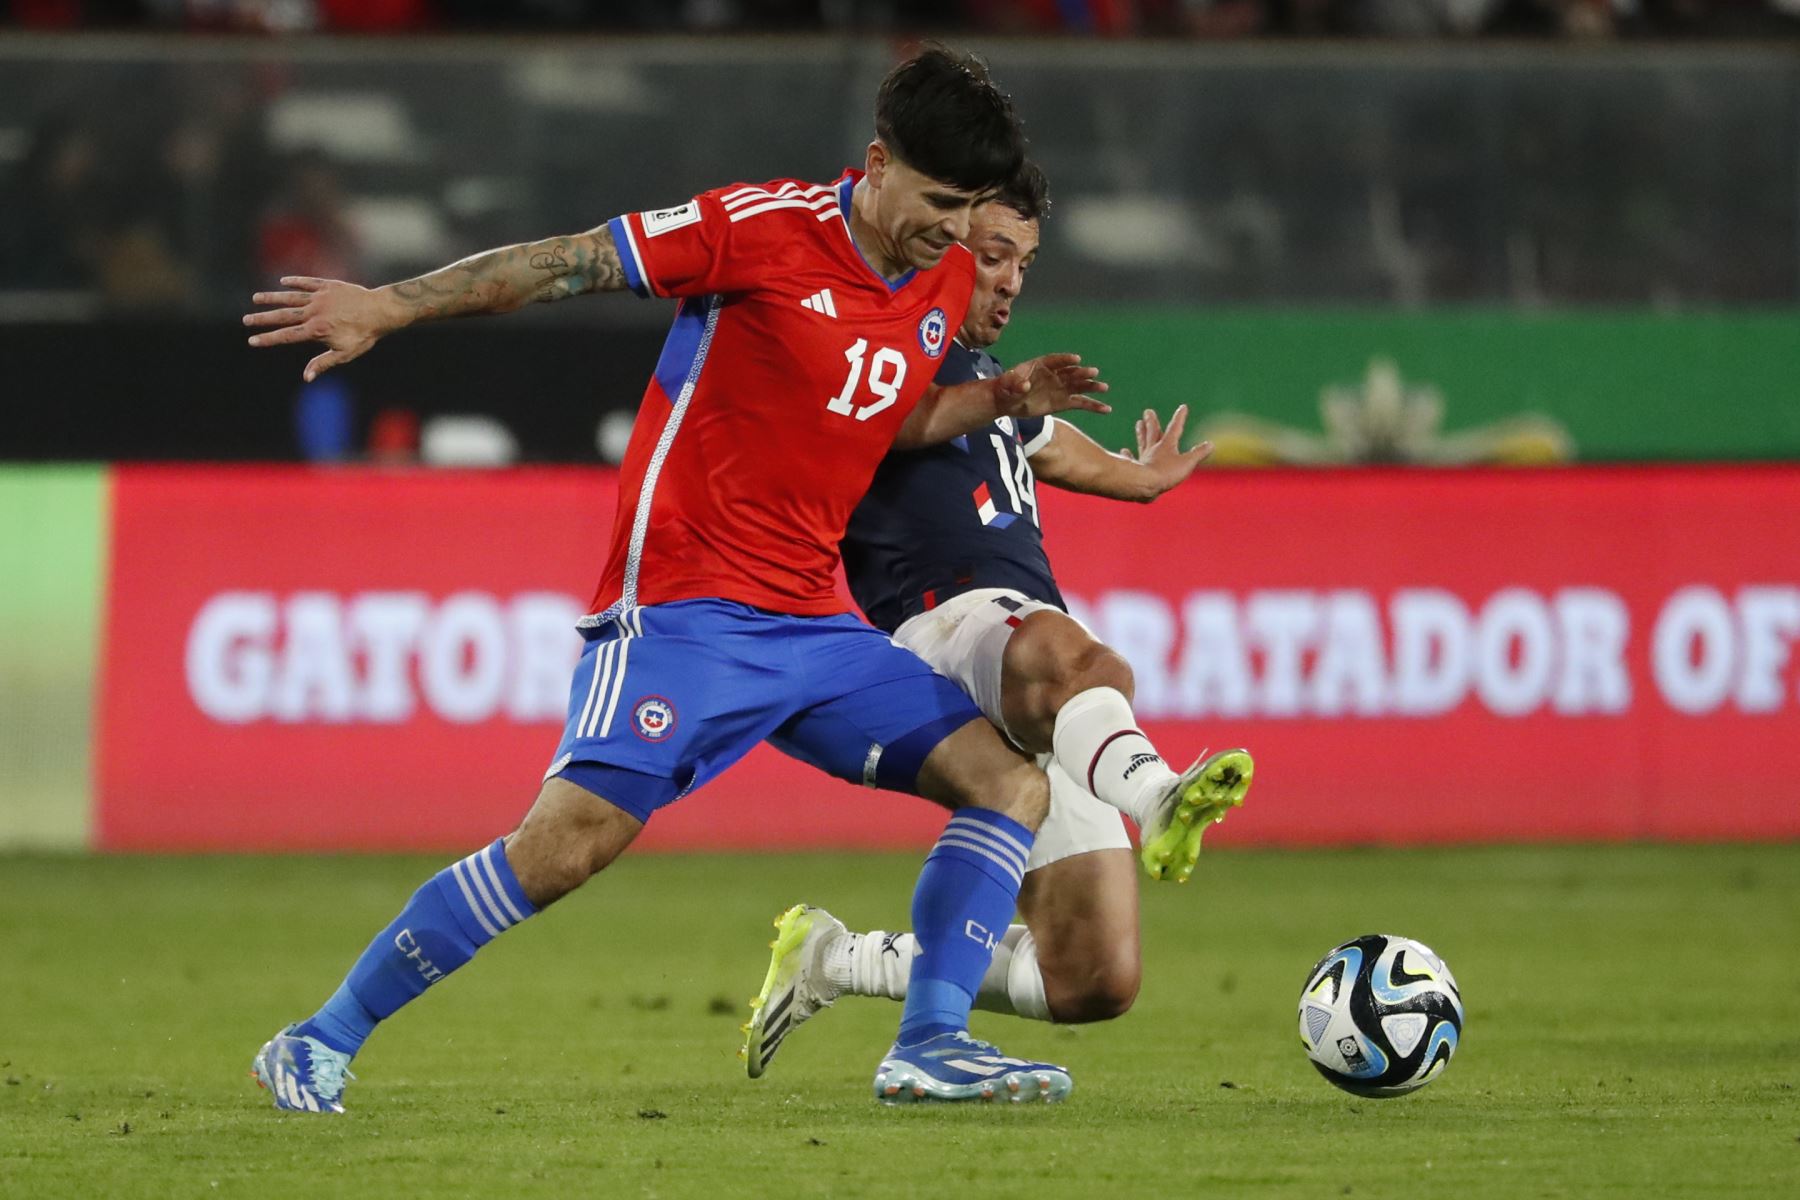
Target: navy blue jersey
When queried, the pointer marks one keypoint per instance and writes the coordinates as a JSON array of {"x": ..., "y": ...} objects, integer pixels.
[{"x": 948, "y": 519}]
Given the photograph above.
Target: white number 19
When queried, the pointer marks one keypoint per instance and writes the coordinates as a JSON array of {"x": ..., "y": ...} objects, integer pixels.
[{"x": 887, "y": 371}]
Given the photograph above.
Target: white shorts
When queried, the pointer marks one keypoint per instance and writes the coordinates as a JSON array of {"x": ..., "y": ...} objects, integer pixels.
[{"x": 964, "y": 639}]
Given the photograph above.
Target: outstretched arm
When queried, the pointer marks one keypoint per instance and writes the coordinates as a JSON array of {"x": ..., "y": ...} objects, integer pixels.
[
  {"x": 350, "y": 319},
  {"x": 1076, "y": 462},
  {"x": 1037, "y": 387}
]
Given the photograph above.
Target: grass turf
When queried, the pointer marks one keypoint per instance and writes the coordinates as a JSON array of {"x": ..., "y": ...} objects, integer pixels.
[{"x": 1634, "y": 1030}]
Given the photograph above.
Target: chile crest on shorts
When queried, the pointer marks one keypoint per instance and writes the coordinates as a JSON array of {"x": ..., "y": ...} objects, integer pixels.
[
  {"x": 653, "y": 719},
  {"x": 932, "y": 328}
]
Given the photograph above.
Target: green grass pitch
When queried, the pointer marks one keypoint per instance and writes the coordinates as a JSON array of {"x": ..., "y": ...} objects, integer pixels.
[{"x": 1634, "y": 1030}]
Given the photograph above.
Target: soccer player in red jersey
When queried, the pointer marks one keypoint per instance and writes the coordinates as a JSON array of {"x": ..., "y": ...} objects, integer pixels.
[
  {"x": 946, "y": 554},
  {"x": 812, "y": 317}
]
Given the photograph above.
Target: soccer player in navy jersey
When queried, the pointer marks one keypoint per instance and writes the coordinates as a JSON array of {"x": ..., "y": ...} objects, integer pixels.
[
  {"x": 946, "y": 553},
  {"x": 811, "y": 322}
]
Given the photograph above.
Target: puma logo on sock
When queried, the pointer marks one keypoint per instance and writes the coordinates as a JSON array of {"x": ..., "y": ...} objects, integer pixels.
[{"x": 1140, "y": 760}]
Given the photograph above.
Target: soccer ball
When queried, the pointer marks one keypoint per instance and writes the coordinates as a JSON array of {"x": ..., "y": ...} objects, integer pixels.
[{"x": 1380, "y": 1015}]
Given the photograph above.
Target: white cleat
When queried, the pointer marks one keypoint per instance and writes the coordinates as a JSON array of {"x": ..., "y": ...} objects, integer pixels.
[{"x": 795, "y": 987}]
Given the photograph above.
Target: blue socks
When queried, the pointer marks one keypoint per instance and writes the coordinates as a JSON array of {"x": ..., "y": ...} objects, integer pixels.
[
  {"x": 965, "y": 899},
  {"x": 960, "y": 910},
  {"x": 458, "y": 911}
]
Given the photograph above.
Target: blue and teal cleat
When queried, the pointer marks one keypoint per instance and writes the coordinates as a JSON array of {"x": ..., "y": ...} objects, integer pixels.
[
  {"x": 302, "y": 1073},
  {"x": 955, "y": 1066}
]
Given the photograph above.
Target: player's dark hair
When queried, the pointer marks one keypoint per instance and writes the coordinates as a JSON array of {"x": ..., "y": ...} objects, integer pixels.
[
  {"x": 1027, "y": 192},
  {"x": 941, "y": 114}
]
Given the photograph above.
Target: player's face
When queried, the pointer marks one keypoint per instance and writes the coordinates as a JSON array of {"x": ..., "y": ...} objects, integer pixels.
[
  {"x": 1004, "y": 245},
  {"x": 919, "y": 218}
]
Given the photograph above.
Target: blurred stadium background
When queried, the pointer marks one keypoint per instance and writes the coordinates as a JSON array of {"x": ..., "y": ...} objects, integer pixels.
[{"x": 1489, "y": 305}]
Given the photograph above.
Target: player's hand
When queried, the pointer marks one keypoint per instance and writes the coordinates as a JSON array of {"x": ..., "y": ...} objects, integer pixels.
[
  {"x": 1159, "y": 451},
  {"x": 347, "y": 318},
  {"x": 1055, "y": 383}
]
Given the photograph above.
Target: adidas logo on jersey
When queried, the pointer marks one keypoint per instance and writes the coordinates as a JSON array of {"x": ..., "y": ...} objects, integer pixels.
[{"x": 820, "y": 302}]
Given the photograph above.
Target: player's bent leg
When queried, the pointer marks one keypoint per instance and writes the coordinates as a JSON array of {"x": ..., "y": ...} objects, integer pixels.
[
  {"x": 1053, "y": 671},
  {"x": 1076, "y": 960},
  {"x": 884, "y": 717},
  {"x": 1050, "y": 658},
  {"x": 1095, "y": 977},
  {"x": 814, "y": 960},
  {"x": 1079, "y": 900},
  {"x": 568, "y": 835},
  {"x": 1082, "y": 914},
  {"x": 1080, "y": 895},
  {"x": 1095, "y": 919}
]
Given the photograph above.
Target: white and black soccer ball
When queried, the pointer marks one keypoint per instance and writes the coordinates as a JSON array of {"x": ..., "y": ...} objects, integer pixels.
[{"x": 1381, "y": 1015}]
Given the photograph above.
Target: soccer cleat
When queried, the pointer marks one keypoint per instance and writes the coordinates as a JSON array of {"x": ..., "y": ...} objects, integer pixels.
[
  {"x": 795, "y": 987},
  {"x": 1202, "y": 796},
  {"x": 302, "y": 1073},
  {"x": 955, "y": 1066}
]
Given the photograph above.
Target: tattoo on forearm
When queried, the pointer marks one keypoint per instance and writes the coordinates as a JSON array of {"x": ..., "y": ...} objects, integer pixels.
[
  {"x": 555, "y": 267},
  {"x": 513, "y": 276}
]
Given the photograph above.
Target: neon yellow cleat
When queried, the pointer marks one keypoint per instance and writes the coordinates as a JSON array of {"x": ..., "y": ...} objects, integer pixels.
[
  {"x": 1202, "y": 796},
  {"x": 795, "y": 987}
]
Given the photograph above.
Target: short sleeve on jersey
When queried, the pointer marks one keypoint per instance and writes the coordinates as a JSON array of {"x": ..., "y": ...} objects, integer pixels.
[
  {"x": 1035, "y": 433},
  {"x": 713, "y": 243}
]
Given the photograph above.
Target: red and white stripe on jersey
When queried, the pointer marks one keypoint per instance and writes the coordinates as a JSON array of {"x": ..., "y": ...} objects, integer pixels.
[
  {"x": 710, "y": 245},
  {"x": 754, "y": 201}
]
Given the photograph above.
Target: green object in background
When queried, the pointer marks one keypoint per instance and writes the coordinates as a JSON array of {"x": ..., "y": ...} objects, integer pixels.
[
  {"x": 52, "y": 524},
  {"x": 1625, "y": 387}
]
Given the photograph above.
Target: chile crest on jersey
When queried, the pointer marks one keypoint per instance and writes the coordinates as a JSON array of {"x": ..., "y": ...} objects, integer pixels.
[{"x": 932, "y": 328}]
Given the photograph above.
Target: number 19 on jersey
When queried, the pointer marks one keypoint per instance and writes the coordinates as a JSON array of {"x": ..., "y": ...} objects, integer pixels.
[{"x": 887, "y": 373}]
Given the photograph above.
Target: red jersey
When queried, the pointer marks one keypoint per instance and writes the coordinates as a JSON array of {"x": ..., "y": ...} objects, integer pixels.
[{"x": 789, "y": 370}]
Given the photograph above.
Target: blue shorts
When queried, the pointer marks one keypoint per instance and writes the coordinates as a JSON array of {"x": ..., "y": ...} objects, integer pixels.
[{"x": 666, "y": 697}]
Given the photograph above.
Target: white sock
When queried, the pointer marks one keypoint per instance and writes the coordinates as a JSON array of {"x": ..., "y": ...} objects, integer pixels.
[
  {"x": 1014, "y": 984},
  {"x": 878, "y": 963},
  {"x": 1098, "y": 743}
]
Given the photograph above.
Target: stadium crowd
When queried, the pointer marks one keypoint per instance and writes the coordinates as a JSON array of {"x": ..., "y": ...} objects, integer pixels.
[
  {"x": 1207, "y": 19},
  {"x": 172, "y": 187}
]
